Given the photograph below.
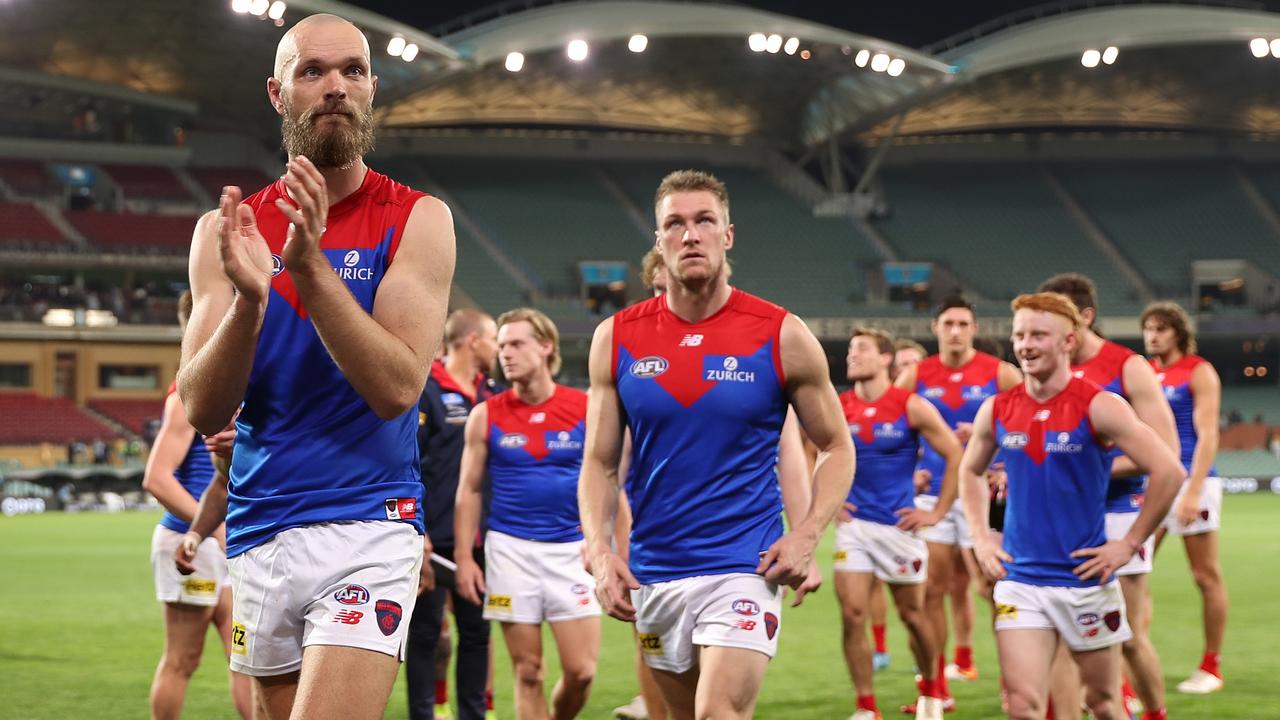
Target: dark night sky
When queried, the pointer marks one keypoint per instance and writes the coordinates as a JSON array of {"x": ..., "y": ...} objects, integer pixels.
[{"x": 910, "y": 23}]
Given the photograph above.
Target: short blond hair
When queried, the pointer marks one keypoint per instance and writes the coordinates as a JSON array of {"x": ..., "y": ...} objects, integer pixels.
[
  {"x": 692, "y": 181},
  {"x": 882, "y": 339},
  {"x": 650, "y": 266},
  {"x": 544, "y": 329},
  {"x": 909, "y": 344},
  {"x": 1050, "y": 302}
]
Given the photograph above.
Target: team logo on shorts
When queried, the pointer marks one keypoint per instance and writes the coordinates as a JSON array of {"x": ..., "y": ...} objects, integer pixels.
[
  {"x": 1204, "y": 515},
  {"x": 651, "y": 644},
  {"x": 348, "y": 617},
  {"x": 745, "y": 606},
  {"x": 352, "y": 595},
  {"x": 649, "y": 367},
  {"x": 840, "y": 555},
  {"x": 580, "y": 589},
  {"x": 1014, "y": 441},
  {"x": 770, "y": 624},
  {"x": 237, "y": 638},
  {"x": 277, "y": 265},
  {"x": 1087, "y": 619},
  {"x": 401, "y": 508},
  {"x": 512, "y": 441},
  {"x": 1112, "y": 619},
  {"x": 917, "y": 564},
  {"x": 389, "y": 613}
]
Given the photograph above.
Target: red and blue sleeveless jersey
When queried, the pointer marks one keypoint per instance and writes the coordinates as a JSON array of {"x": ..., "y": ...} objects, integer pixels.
[
  {"x": 194, "y": 474},
  {"x": 886, "y": 449},
  {"x": 309, "y": 449},
  {"x": 1058, "y": 474},
  {"x": 1176, "y": 381},
  {"x": 1106, "y": 369},
  {"x": 957, "y": 392},
  {"x": 535, "y": 455},
  {"x": 705, "y": 404}
]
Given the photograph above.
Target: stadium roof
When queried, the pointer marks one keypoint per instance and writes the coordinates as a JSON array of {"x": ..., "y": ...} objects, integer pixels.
[{"x": 1179, "y": 66}]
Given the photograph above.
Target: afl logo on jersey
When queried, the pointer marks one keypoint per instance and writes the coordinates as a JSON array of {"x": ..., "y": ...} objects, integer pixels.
[
  {"x": 277, "y": 265},
  {"x": 934, "y": 392},
  {"x": 513, "y": 441},
  {"x": 1014, "y": 441},
  {"x": 649, "y": 367}
]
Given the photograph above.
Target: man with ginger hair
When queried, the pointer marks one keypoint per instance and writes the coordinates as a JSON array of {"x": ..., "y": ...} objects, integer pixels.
[
  {"x": 319, "y": 303},
  {"x": 1055, "y": 567}
]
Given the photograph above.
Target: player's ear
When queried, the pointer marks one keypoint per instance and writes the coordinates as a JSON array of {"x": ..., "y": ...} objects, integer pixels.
[
  {"x": 728, "y": 237},
  {"x": 274, "y": 94}
]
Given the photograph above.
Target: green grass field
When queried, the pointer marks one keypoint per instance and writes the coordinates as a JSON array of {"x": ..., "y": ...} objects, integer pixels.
[{"x": 82, "y": 632}]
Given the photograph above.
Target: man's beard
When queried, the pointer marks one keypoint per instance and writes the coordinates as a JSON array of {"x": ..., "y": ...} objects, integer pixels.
[{"x": 338, "y": 147}]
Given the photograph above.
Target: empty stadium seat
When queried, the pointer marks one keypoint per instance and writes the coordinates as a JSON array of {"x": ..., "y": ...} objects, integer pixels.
[
  {"x": 148, "y": 182},
  {"x": 27, "y": 418},
  {"x": 23, "y": 226},
  {"x": 133, "y": 414},
  {"x": 134, "y": 232},
  {"x": 213, "y": 179},
  {"x": 28, "y": 177}
]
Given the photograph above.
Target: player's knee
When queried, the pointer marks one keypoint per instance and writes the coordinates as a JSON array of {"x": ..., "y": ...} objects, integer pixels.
[
  {"x": 854, "y": 617},
  {"x": 1101, "y": 702},
  {"x": 182, "y": 663},
  {"x": 579, "y": 676},
  {"x": 528, "y": 670},
  {"x": 1207, "y": 578},
  {"x": 1024, "y": 704}
]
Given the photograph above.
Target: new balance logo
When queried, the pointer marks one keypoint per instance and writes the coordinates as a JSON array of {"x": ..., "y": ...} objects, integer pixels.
[
  {"x": 348, "y": 617},
  {"x": 691, "y": 341}
]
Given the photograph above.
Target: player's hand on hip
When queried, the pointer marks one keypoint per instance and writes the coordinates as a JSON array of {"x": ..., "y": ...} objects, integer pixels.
[
  {"x": 811, "y": 583},
  {"x": 921, "y": 480},
  {"x": 185, "y": 556},
  {"x": 1187, "y": 510},
  {"x": 470, "y": 581},
  {"x": 786, "y": 562},
  {"x": 991, "y": 556},
  {"x": 912, "y": 519},
  {"x": 846, "y": 512},
  {"x": 1103, "y": 560},
  {"x": 614, "y": 583},
  {"x": 246, "y": 260},
  {"x": 307, "y": 214},
  {"x": 964, "y": 431},
  {"x": 222, "y": 443}
]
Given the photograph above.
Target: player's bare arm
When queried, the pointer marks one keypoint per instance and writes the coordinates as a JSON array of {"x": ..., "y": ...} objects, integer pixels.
[
  {"x": 209, "y": 516},
  {"x": 809, "y": 390},
  {"x": 230, "y": 275},
  {"x": 925, "y": 418},
  {"x": 1147, "y": 398},
  {"x": 466, "y": 514},
  {"x": 797, "y": 491},
  {"x": 974, "y": 493},
  {"x": 167, "y": 453},
  {"x": 599, "y": 484},
  {"x": 1206, "y": 393},
  {"x": 385, "y": 356},
  {"x": 1115, "y": 420}
]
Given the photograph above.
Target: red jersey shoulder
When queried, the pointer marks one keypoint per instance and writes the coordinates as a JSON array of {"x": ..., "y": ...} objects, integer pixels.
[
  {"x": 892, "y": 404},
  {"x": 572, "y": 399},
  {"x": 749, "y": 304},
  {"x": 383, "y": 189},
  {"x": 645, "y": 308}
]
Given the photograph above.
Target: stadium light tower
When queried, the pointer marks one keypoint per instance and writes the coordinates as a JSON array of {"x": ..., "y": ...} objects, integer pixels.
[
  {"x": 577, "y": 50},
  {"x": 396, "y": 46},
  {"x": 1259, "y": 47},
  {"x": 515, "y": 61},
  {"x": 757, "y": 42},
  {"x": 896, "y": 67},
  {"x": 880, "y": 62},
  {"x": 259, "y": 7},
  {"x": 276, "y": 11},
  {"x": 240, "y": 6},
  {"x": 792, "y": 45},
  {"x": 637, "y": 43},
  {"x": 1110, "y": 54},
  {"x": 410, "y": 52},
  {"x": 862, "y": 58},
  {"x": 1275, "y": 48},
  {"x": 773, "y": 44},
  {"x": 1090, "y": 58}
]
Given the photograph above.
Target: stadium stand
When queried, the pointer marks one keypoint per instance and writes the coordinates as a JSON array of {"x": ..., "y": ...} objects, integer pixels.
[
  {"x": 132, "y": 414},
  {"x": 1164, "y": 215},
  {"x": 213, "y": 179},
  {"x": 134, "y": 232},
  {"x": 146, "y": 182},
  {"x": 1252, "y": 402},
  {"x": 991, "y": 224},
  {"x": 28, "y": 418},
  {"x": 28, "y": 178},
  {"x": 22, "y": 226}
]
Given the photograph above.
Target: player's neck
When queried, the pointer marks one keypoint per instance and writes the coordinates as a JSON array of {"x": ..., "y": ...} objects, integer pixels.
[
  {"x": 535, "y": 389},
  {"x": 1170, "y": 358},
  {"x": 461, "y": 366},
  {"x": 1090, "y": 345},
  {"x": 341, "y": 182},
  {"x": 1041, "y": 389},
  {"x": 873, "y": 387},
  {"x": 953, "y": 359},
  {"x": 693, "y": 305}
]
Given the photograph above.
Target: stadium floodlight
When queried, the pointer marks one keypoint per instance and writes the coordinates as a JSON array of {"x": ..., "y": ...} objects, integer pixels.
[
  {"x": 805, "y": 54},
  {"x": 1091, "y": 58},
  {"x": 396, "y": 46},
  {"x": 242, "y": 6},
  {"x": 410, "y": 52},
  {"x": 773, "y": 44},
  {"x": 880, "y": 62},
  {"x": 1110, "y": 54},
  {"x": 757, "y": 41},
  {"x": 259, "y": 7},
  {"x": 276, "y": 11},
  {"x": 896, "y": 67},
  {"x": 1258, "y": 46},
  {"x": 637, "y": 43},
  {"x": 515, "y": 61},
  {"x": 793, "y": 44},
  {"x": 862, "y": 58},
  {"x": 577, "y": 50},
  {"x": 1275, "y": 48}
]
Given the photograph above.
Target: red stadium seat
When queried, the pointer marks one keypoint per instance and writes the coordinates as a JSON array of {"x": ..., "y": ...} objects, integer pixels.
[
  {"x": 28, "y": 177},
  {"x": 133, "y": 232},
  {"x": 26, "y": 418},
  {"x": 146, "y": 182},
  {"x": 22, "y": 225},
  {"x": 133, "y": 414}
]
